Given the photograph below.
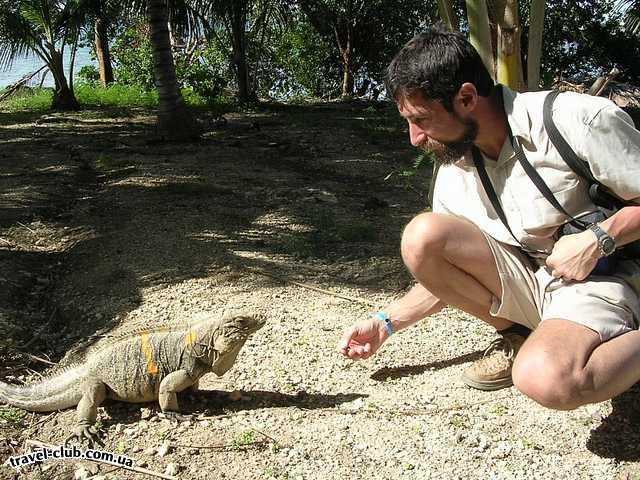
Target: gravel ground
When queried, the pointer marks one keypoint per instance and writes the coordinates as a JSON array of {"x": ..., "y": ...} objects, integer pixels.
[{"x": 289, "y": 221}]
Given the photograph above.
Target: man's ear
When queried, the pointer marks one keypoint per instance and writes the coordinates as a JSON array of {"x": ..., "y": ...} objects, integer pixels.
[{"x": 467, "y": 97}]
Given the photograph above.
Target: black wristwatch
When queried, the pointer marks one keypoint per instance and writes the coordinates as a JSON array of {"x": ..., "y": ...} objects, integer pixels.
[{"x": 606, "y": 243}]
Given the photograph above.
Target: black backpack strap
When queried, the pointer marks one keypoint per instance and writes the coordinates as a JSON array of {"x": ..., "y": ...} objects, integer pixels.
[
  {"x": 564, "y": 149},
  {"x": 478, "y": 161},
  {"x": 600, "y": 195},
  {"x": 540, "y": 184}
]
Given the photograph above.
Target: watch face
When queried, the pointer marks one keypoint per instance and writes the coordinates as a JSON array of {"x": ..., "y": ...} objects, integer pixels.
[{"x": 608, "y": 245}]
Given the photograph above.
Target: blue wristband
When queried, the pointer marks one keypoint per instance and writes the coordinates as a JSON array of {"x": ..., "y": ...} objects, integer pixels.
[{"x": 383, "y": 317}]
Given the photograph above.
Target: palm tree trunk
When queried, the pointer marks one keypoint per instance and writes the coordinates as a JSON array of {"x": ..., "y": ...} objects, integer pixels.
[
  {"x": 63, "y": 97},
  {"x": 448, "y": 15},
  {"x": 239, "y": 45},
  {"x": 102, "y": 52},
  {"x": 534, "y": 50},
  {"x": 174, "y": 120},
  {"x": 480, "y": 33},
  {"x": 509, "y": 69}
]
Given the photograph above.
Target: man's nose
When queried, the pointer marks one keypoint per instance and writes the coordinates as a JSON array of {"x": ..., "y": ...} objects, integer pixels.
[{"x": 416, "y": 135}]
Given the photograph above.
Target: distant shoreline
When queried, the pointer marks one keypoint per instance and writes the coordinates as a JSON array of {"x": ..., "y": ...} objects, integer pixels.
[{"x": 31, "y": 63}]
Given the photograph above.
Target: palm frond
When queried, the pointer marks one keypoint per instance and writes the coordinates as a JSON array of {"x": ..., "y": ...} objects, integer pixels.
[
  {"x": 17, "y": 37},
  {"x": 630, "y": 10}
]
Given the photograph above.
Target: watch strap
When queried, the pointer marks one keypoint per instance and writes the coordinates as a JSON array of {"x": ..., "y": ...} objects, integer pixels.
[{"x": 603, "y": 238}]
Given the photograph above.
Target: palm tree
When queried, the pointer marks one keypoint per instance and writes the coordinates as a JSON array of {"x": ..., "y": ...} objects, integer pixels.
[
  {"x": 503, "y": 60},
  {"x": 104, "y": 11},
  {"x": 43, "y": 28},
  {"x": 243, "y": 27},
  {"x": 631, "y": 11},
  {"x": 175, "y": 122}
]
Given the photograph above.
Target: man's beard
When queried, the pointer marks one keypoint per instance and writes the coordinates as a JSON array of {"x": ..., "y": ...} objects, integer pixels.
[{"x": 450, "y": 152}]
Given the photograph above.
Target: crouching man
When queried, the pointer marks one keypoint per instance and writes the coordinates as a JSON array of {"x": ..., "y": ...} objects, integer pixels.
[{"x": 566, "y": 337}]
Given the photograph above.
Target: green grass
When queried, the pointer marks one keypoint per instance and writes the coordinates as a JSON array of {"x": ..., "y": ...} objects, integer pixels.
[
  {"x": 243, "y": 439},
  {"x": 115, "y": 96},
  {"x": 12, "y": 414},
  {"x": 91, "y": 96},
  {"x": 35, "y": 100}
]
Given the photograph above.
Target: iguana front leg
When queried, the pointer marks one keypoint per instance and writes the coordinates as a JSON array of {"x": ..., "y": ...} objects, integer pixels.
[
  {"x": 170, "y": 385},
  {"x": 93, "y": 394}
]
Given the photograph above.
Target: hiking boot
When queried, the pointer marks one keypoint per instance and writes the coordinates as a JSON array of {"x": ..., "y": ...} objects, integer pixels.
[{"x": 493, "y": 370}]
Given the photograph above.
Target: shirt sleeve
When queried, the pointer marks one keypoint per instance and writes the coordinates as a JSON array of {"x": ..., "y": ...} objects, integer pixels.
[
  {"x": 438, "y": 202},
  {"x": 611, "y": 146}
]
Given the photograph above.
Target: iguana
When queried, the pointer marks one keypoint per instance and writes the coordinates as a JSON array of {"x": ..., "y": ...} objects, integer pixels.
[{"x": 139, "y": 366}]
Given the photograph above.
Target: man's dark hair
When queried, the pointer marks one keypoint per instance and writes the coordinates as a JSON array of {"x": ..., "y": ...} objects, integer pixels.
[{"x": 436, "y": 63}]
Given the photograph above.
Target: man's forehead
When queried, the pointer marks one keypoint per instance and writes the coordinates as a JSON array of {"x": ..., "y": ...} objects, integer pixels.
[{"x": 415, "y": 103}]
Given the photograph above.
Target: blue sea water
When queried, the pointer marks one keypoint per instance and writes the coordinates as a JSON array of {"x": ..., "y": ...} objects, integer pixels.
[{"x": 31, "y": 63}]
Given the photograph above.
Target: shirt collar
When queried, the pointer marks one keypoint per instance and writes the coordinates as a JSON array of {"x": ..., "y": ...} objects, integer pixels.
[{"x": 517, "y": 114}]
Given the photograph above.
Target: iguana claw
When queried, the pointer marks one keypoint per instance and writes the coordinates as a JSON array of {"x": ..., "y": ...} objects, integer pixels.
[
  {"x": 175, "y": 416},
  {"x": 86, "y": 433}
]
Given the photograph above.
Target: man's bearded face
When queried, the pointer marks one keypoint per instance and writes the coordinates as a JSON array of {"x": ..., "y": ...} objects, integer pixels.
[{"x": 450, "y": 152}]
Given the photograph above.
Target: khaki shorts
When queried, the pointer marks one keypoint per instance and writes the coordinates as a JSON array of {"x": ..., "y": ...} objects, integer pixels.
[{"x": 608, "y": 305}]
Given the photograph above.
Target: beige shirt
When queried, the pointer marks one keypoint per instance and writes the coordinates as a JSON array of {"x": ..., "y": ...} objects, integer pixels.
[{"x": 597, "y": 130}]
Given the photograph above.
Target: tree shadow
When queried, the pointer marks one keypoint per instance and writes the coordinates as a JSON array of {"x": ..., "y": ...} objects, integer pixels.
[
  {"x": 173, "y": 215},
  {"x": 618, "y": 436},
  {"x": 392, "y": 373}
]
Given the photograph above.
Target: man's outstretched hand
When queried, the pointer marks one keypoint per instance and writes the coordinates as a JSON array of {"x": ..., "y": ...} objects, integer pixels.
[{"x": 363, "y": 339}]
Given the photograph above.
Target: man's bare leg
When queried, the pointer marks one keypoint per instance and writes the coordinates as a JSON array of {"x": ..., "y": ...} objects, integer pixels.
[
  {"x": 564, "y": 378},
  {"x": 452, "y": 261}
]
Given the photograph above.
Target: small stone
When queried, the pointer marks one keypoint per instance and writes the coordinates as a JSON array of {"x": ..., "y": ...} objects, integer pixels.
[
  {"x": 118, "y": 429},
  {"x": 145, "y": 413},
  {"x": 135, "y": 449},
  {"x": 163, "y": 449},
  {"x": 150, "y": 451},
  {"x": 172, "y": 469},
  {"x": 142, "y": 464},
  {"x": 205, "y": 423},
  {"x": 353, "y": 406},
  {"x": 483, "y": 445},
  {"x": 502, "y": 450},
  {"x": 130, "y": 431},
  {"x": 193, "y": 451},
  {"x": 81, "y": 474}
]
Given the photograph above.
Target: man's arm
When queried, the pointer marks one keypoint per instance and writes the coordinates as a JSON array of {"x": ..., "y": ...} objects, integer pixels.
[
  {"x": 610, "y": 144},
  {"x": 364, "y": 338},
  {"x": 575, "y": 256}
]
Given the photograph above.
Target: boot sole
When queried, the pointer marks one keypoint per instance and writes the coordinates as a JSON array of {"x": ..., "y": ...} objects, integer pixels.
[{"x": 488, "y": 385}]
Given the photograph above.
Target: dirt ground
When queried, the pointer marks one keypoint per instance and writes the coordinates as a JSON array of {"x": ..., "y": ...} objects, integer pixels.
[{"x": 291, "y": 211}]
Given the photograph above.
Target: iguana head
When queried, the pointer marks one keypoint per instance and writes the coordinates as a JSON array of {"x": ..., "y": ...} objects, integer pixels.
[{"x": 228, "y": 337}]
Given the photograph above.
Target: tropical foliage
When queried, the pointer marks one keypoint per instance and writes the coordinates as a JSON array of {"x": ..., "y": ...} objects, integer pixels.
[
  {"x": 45, "y": 28},
  {"x": 283, "y": 49}
]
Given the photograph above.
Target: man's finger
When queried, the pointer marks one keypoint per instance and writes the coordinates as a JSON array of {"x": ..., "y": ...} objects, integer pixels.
[{"x": 346, "y": 339}]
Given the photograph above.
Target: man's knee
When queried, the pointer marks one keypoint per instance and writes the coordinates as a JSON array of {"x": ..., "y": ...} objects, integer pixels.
[
  {"x": 424, "y": 239},
  {"x": 549, "y": 381}
]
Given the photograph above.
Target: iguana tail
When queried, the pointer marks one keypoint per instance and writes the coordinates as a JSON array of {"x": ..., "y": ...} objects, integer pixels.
[{"x": 62, "y": 390}]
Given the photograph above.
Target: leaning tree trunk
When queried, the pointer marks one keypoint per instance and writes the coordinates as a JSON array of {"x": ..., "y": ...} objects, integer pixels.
[
  {"x": 174, "y": 120},
  {"x": 103, "y": 54},
  {"x": 63, "y": 97}
]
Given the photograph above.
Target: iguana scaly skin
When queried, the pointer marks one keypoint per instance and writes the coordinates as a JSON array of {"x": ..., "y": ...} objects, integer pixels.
[{"x": 140, "y": 366}]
